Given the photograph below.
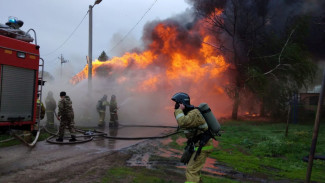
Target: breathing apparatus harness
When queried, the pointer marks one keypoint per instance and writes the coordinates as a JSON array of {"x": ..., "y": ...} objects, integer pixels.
[{"x": 202, "y": 138}]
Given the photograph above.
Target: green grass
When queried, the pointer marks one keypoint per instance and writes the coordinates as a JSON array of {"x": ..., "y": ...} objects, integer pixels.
[
  {"x": 43, "y": 136},
  {"x": 8, "y": 143},
  {"x": 141, "y": 175},
  {"x": 208, "y": 179},
  {"x": 251, "y": 147},
  {"x": 126, "y": 174},
  {"x": 173, "y": 144}
]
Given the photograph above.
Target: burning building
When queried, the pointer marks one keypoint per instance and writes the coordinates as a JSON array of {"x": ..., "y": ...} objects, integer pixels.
[
  {"x": 185, "y": 53},
  {"x": 176, "y": 57}
]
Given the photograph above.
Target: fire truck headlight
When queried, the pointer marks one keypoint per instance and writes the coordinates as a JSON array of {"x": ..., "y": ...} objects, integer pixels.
[{"x": 21, "y": 54}]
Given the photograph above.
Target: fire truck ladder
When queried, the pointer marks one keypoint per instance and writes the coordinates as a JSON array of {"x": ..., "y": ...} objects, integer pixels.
[
  {"x": 39, "y": 92},
  {"x": 40, "y": 81},
  {"x": 38, "y": 120},
  {"x": 40, "y": 87}
]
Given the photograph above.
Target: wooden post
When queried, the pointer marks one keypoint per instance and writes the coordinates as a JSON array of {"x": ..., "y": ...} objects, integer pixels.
[
  {"x": 288, "y": 119},
  {"x": 315, "y": 134}
]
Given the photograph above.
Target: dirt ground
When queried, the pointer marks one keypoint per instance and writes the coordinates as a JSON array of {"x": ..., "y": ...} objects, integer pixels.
[
  {"x": 86, "y": 168},
  {"x": 95, "y": 169}
]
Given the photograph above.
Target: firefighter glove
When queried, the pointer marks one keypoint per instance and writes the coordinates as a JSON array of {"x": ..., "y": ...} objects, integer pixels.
[{"x": 176, "y": 105}]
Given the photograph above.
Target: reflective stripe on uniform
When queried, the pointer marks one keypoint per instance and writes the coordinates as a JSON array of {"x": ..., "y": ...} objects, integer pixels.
[
  {"x": 204, "y": 126},
  {"x": 179, "y": 115},
  {"x": 204, "y": 148}
]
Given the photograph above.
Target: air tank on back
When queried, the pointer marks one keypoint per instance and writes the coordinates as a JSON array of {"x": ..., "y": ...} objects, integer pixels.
[{"x": 211, "y": 120}]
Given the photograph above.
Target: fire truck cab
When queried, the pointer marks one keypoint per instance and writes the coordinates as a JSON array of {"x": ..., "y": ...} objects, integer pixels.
[{"x": 20, "y": 77}]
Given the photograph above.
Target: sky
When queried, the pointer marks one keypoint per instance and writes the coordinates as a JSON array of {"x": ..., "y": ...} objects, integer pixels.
[{"x": 55, "y": 20}]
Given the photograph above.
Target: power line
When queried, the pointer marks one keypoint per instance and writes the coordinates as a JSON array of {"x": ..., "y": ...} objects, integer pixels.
[
  {"x": 134, "y": 26},
  {"x": 68, "y": 36}
]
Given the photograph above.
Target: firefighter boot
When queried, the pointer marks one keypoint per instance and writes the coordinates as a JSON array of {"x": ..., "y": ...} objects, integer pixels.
[
  {"x": 73, "y": 138},
  {"x": 60, "y": 139},
  {"x": 111, "y": 124}
]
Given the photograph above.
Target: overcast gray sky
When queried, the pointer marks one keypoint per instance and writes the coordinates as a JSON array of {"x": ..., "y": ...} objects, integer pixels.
[{"x": 55, "y": 20}]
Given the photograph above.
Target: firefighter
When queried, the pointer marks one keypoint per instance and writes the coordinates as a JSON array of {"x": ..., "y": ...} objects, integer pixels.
[
  {"x": 50, "y": 109},
  {"x": 39, "y": 116},
  {"x": 65, "y": 116},
  {"x": 113, "y": 112},
  {"x": 195, "y": 127},
  {"x": 101, "y": 109}
]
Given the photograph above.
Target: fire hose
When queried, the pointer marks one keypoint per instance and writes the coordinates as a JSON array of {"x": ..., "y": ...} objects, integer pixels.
[
  {"x": 90, "y": 134},
  {"x": 32, "y": 144}
]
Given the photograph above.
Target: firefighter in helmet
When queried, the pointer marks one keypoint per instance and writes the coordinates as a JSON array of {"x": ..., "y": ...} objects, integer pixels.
[
  {"x": 40, "y": 113},
  {"x": 50, "y": 109},
  {"x": 113, "y": 112},
  {"x": 195, "y": 127},
  {"x": 65, "y": 116},
  {"x": 101, "y": 109}
]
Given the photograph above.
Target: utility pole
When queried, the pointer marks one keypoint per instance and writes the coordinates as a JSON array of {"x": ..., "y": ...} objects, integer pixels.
[
  {"x": 90, "y": 49},
  {"x": 62, "y": 60},
  {"x": 90, "y": 46},
  {"x": 316, "y": 129}
]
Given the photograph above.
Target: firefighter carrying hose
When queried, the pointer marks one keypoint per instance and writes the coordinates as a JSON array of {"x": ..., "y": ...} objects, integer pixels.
[
  {"x": 101, "y": 109},
  {"x": 65, "y": 116},
  {"x": 113, "y": 112},
  {"x": 199, "y": 144}
]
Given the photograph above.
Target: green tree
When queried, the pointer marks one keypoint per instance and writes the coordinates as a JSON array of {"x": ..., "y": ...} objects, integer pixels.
[
  {"x": 103, "y": 57},
  {"x": 238, "y": 28},
  {"x": 288, "y": 68},
  {"x": 270, "y": 60}
]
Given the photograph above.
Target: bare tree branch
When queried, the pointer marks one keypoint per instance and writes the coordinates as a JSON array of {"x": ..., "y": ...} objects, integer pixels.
[
  {"x": 279, "y": 58},
  {"x": 282, "y": 50}
]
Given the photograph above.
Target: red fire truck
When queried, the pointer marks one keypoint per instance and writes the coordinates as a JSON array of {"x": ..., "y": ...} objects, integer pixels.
[{"x": 21, "y": 77}]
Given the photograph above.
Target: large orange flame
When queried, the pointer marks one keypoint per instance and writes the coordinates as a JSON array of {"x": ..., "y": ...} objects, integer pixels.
[{"x": 173, "y": 57}]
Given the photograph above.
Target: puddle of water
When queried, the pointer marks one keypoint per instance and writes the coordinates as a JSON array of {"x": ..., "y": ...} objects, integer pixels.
[
  {"x": 167, "y": 153},
  {"x": 211, "y": 166},
  {"x": 166, "y": 141},
  {"x": 181, "y": 141}
]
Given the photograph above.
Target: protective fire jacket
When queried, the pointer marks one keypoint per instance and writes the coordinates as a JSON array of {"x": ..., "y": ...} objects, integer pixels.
[
  {"x": 113, "y": 106},
  {"x": 50, "y": 104},
  {"x": 42, "y": 112},
  {"x": 193, "y": 124},
  {"x": 102, "y": 105}
]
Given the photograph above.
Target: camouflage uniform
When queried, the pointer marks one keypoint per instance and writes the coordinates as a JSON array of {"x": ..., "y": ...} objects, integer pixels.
[
  {"x": 194, "y": 124},
  {"x": 113, "y": 111},
  {"x": 50, "y": 110},
  {"x": 66, "y": 116}
]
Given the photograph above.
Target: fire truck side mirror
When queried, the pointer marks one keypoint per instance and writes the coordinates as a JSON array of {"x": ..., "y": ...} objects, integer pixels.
[{"x": 37, "y": 47}]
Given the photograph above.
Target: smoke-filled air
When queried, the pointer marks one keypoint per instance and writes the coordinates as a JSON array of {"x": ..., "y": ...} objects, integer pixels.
[
  {"x": 181, "y": 54},
  {"x": 176, "y": 58}
]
